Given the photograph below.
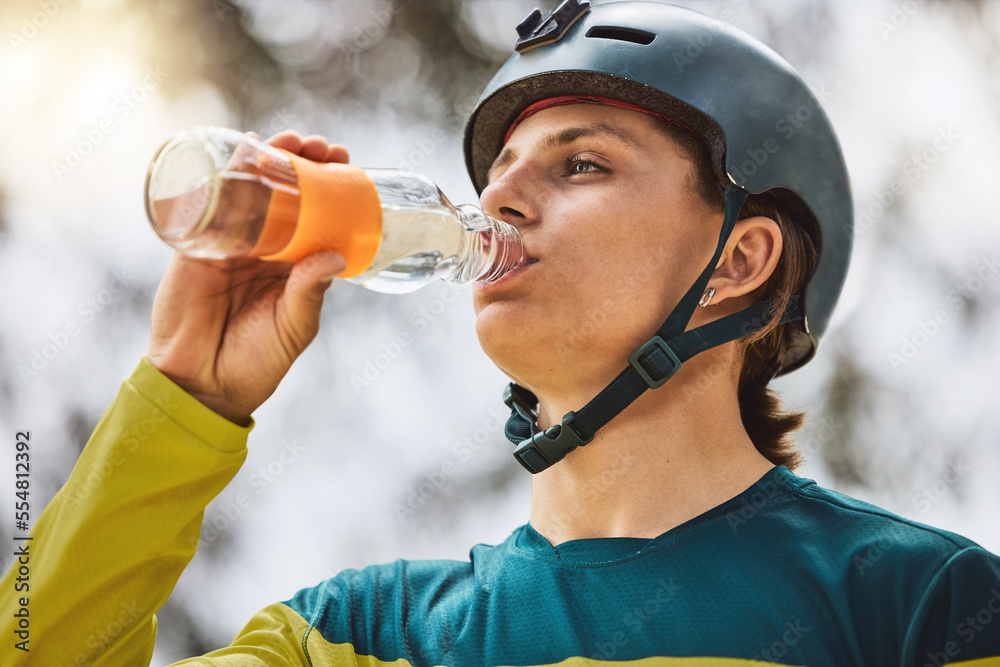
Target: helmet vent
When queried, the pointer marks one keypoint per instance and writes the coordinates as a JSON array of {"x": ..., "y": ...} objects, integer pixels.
[{"x": 621, "y": 34}]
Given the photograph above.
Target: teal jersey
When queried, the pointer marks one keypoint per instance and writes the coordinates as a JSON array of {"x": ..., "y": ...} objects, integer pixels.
[{"x": 786, "y": 573}]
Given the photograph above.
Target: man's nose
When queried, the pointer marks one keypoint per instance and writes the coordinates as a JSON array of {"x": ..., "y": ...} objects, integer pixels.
[{"x": 511, "y": 197}]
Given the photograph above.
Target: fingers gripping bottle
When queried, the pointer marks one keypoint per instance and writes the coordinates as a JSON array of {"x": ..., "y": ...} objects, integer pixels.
[{"x": 218, "y": 193}]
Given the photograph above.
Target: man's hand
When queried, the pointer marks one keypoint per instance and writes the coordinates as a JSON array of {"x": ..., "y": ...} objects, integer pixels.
[{"x": 227, "y": 331}]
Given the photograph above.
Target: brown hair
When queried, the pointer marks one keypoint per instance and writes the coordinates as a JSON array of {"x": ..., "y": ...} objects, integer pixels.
[{"x": 766, "y": 422}]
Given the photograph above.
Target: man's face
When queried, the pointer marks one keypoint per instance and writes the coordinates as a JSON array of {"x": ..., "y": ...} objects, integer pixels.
[{"x": 615, "y": 232}]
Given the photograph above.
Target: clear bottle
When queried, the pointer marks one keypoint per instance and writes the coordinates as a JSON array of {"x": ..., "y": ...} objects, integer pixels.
[{"x": 217, "y": 193}]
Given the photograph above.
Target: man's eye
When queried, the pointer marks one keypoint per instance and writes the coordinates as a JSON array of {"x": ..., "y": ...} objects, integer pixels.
[{"x": 579, "y": 166}]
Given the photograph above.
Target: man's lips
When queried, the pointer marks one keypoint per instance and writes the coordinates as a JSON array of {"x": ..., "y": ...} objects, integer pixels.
[{"x": 525, "y": 262}]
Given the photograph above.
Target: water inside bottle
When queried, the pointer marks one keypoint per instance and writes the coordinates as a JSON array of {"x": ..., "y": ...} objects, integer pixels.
[
  {"x": 419, "y": 243},
  {"x": 232, "y": 226}
]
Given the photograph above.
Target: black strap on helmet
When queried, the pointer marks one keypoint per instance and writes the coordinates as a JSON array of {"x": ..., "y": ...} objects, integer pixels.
[{"x": 650, "y": 366}]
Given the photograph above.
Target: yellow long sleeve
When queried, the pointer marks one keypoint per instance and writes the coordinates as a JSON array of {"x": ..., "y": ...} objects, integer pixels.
[{"x": 108, "y": 550}]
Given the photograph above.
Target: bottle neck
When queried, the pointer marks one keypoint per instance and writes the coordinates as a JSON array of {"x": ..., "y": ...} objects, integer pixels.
[{"x": 493, "y": 247}]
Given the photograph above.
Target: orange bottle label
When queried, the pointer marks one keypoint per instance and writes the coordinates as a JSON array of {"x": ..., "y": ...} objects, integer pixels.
[{"x": 338, "y": 209}]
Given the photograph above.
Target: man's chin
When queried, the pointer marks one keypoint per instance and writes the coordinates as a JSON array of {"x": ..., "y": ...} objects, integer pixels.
[
  {"x": 494, "y": 323},
  {"x": 504, "y": 331}
]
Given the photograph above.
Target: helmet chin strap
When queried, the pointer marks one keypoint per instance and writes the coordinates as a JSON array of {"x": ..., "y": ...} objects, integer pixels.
[{"x": 650, "y": 366}]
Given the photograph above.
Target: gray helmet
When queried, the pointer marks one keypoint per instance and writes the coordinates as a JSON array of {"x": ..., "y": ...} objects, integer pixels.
[{"x": 764, "y": 129}]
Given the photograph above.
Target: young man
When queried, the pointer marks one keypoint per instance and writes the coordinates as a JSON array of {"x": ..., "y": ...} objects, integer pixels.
[{"x": 664, "y": 528}]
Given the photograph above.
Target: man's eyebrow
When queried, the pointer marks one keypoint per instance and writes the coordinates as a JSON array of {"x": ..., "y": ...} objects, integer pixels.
[
  {"x": 507, "y": 155},
  {"x": 566, "y": 136},
  {"x": 571, "y": 134}
]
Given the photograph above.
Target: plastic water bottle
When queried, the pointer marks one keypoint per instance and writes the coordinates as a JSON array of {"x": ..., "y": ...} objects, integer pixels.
[{"x": 218, "y": 193}]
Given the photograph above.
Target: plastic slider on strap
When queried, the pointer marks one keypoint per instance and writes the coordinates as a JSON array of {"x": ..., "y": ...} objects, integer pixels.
[
  {"x": 655, "y": 362},
  {"x": 522, "y": 401},
  {"x": 550, "y": 446}
]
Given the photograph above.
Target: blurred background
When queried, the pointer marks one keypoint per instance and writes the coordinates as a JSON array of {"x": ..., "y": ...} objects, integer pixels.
[{"x": 386, "y": 439}]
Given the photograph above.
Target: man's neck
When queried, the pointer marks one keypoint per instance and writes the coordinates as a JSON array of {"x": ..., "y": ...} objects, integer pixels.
[{"x": 674, "y": 454}]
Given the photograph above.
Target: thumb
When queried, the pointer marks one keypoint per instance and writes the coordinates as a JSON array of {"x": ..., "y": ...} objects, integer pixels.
[{"x": 304, "y": 291}]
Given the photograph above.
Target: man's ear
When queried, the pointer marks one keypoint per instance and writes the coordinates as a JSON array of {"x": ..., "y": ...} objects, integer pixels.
[{"x": 749, "y": 258}]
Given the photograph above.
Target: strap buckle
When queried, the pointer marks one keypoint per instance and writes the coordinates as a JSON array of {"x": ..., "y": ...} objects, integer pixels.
[
  {"x": 655, "y": 362},
  {"x": 550, "y": 446}
]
